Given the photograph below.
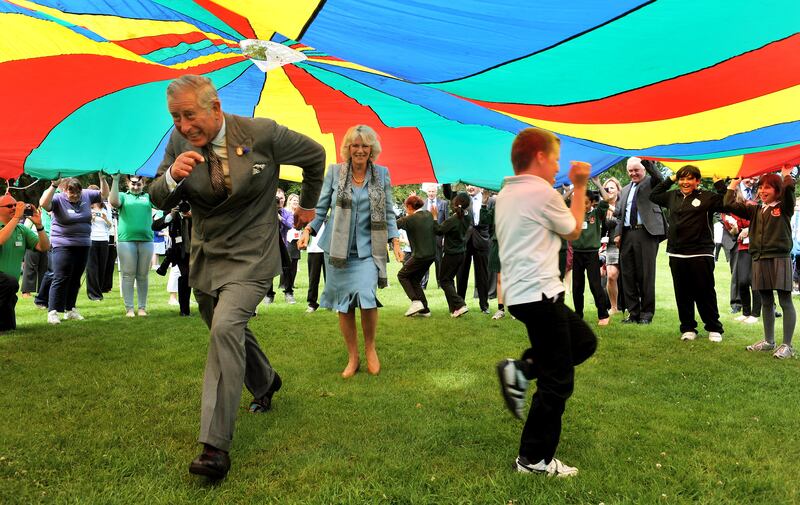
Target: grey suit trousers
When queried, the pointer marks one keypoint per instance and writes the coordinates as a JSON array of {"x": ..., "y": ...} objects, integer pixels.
[{"x": 234, "y": 358}]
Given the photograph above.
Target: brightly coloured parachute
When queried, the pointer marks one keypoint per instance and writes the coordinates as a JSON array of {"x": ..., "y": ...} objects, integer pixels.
[{"x": 446, "y": 84}]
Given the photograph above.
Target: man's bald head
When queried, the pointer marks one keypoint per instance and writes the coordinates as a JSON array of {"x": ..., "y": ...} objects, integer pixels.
[{"x": 635, "y": 169}]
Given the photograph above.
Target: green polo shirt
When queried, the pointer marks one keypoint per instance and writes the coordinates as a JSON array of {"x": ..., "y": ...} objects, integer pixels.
[
  {"x": 12, "y": 252},
  {"x": 135, "y": 222},
  {"x": 590, "y": 235}
]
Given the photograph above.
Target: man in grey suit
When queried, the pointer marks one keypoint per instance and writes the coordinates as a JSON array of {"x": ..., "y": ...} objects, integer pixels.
[
  {"x": 227, "y": 168},
  {"x": 443, "y": 212},
  {"x": 640, "y": 228}
]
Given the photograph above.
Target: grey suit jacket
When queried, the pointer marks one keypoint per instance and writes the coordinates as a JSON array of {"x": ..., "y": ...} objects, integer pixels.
[
  {"x": 237, "y": 239},
  {"x": 652, "y": 217}
]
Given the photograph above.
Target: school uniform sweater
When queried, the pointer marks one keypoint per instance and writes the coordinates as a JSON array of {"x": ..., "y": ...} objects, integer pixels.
[
  {"x": 454, "y": 229},
  {"x": 589, "y": 241},
  {"x": 691, "y": 229},
  {"x": 420, "y": 229},
  {"x": 770, "y": 225}
]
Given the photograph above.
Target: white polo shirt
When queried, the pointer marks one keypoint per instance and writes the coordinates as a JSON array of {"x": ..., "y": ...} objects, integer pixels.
[{"x": 529, "y": 217}]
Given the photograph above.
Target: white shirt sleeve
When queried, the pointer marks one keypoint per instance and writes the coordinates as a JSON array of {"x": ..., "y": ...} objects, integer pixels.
[
  {"x": 559, "y": 218},
  {"x": 171, "y": 184}
]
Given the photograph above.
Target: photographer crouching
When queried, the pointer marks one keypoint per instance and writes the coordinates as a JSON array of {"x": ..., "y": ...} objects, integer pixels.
[
  {"x": 15, "y": 239},
  {"x": 179, "y": 222}
]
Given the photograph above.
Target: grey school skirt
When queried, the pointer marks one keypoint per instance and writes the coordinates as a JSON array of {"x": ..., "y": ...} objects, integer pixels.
[{"x": 772, "y": 273}]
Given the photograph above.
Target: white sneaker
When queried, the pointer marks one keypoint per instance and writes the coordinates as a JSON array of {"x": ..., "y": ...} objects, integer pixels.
[
  {"x": 415, "y": 307},
  {"x": 750, "y": 320},
  {"x": 52, "y": 317},
  {"x": 500, "y": 314},
  {"x": 689, "y": 335},
  {"x": 553, "y": 469},
  {"x": 173, "y": 302},
  {"x": 460, "y": 311},
  {"x": 73, "y": 314},
  {"x": 740, "y": 317},
  {"x": 142, "y": 312},
  {"x": 310, "y": 309},
  {"x": 513, "y": 386},
  {"x": 715, "y": 336},
  {"x": 130, "y": 313}
]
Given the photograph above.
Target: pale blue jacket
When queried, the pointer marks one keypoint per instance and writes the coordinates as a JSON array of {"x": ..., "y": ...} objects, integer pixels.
[{"x": 359, "y": 220}]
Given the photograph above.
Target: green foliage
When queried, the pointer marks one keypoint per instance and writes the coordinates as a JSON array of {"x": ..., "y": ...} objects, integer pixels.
[{"x": 106, "y": 411}]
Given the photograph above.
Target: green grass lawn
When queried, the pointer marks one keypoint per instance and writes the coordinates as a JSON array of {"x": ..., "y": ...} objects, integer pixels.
[{"x": 106, "y": 410}]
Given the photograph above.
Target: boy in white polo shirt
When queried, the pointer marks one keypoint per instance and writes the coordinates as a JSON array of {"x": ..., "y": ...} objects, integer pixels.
[{"x": 530, "y": 220}]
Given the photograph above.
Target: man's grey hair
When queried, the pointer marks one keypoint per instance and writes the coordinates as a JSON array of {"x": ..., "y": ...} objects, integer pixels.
[{"x": 202, "y": 87}]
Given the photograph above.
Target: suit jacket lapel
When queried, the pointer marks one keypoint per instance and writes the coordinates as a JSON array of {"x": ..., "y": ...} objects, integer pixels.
[{"x": 239, "y": 167}]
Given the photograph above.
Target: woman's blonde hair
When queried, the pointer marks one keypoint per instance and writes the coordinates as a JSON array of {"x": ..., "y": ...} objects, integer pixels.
[{"x": 368, "y": 136}]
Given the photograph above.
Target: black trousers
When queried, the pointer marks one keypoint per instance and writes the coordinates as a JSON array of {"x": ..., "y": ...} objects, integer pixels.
[
  {"x": 588, "y": 263},
  {"x": 751, "y": 305},
  {"x": 43, "y": 295},
  {"x": 481, "y": 260},
  {"x": 111, "y": 261},
  {"x": 8, "y": 302},
  {"x": 637, "y": 264},
  {"x": 96, "y": 269},
  {"x": 68, "y": 262},
  {"x": 410, "y": 277},
  {"x": 316, "y": 264},
  {"x": 33, "y": 270},
  {"x": 693, "y": 280},
  {"x": 184, "y": 291},
  {"x": 560, "y": 341},
  {"x": 437, "y": 262},
  {"x": 285, "y": 266},
  {"x": 451, "y": 263}
]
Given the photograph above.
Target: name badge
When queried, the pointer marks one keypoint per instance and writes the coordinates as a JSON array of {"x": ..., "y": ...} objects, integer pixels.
[
  {"x": 585, "y": 225},
  {"x": 695, "y": 203},
  {"x": 746, "y": 240},
  {"x": 178, "y": 240},
  {"x": 18, "y": 243},
  {"x": 71, "y": 211}
]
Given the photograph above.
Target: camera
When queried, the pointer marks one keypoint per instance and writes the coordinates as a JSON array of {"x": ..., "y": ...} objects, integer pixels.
[
  {"x": 184, "y": 207},
  {"x": 28, "y": 212}
]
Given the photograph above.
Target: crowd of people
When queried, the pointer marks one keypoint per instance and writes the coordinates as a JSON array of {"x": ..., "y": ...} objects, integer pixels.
[{"x": 231, "y": 232}]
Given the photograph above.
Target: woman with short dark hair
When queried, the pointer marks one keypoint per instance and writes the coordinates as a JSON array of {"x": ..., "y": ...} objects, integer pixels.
[{"x": 71, "y": 238}]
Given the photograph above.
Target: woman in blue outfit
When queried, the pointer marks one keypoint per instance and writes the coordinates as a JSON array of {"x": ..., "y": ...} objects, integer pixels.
[{"x": 358, "y": 195}]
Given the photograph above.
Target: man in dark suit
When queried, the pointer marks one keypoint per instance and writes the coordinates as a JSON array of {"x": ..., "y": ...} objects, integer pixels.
[
  {"x": 443, "y": 211},
  {"x": 640, "y": 228},
  {"x": 226, "y": 167}
]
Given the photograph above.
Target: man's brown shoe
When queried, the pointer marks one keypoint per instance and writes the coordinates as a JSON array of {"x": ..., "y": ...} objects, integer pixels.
[{"x": 211, "y": 463}]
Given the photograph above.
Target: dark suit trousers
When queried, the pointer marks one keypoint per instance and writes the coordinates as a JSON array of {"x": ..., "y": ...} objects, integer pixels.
[
  {"x": 410, "y": 277},
  {"x": 234, "y": 358},
  {"x": 637, "y": 263},
  {"x": 451, "y": 263},
  {"x": 184, "y": 290},
  {"x": 33, "y": 270},
  {"x": 588, "y": 264},
  {"x": 560, "y": 341},
  {"x": 316, "y": 264},
  {"x": 96, "y": 269},
  {"x": 8, "y": 302},
  {"x": 693, "y": 280},
  {"x": 481, "y": 260}
]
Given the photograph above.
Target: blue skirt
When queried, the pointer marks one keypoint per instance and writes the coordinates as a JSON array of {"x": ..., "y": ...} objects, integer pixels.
[{"x": 355, "y": 285}]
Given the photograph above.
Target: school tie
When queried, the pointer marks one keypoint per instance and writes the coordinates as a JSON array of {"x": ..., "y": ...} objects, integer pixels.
[
  {"x": 215, "y": 172},
  {"x": 634, "y": 207}
]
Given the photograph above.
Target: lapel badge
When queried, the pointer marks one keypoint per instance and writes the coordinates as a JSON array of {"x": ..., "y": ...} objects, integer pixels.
[
  {"x": 241, "y": 150},
  {"x": 776, "y": 212}
]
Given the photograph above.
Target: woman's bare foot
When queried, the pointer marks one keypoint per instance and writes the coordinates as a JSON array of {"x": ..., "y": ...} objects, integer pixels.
[
  {"x": 351, "y": 369},
  {"x": 373, "y": 363}
]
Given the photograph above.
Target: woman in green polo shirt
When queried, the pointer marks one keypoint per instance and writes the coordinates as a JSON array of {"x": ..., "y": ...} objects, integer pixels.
[{"x": 135, "y": 240}]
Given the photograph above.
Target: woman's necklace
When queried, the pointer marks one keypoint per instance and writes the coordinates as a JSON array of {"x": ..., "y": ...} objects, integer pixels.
[{"x": 356, "y": 180}]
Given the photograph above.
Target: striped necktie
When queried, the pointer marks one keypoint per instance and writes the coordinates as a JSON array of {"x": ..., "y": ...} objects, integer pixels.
[{"x": 215, "y": 172}]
